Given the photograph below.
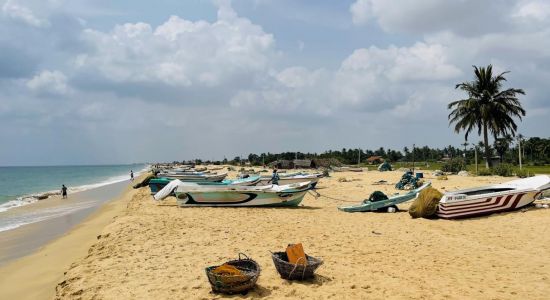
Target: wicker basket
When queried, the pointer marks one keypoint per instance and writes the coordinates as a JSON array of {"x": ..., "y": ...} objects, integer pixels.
[
  {"x": 297, "y": 271},
  {"x": 233, "y": 284}
]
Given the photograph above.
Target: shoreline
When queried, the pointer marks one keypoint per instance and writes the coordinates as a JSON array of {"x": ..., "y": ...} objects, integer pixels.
[
  {"x": 45, "y": 195},
  {"x": 35, "y": 275}
]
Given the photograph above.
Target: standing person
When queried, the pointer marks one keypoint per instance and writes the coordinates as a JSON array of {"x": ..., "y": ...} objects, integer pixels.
[
  {"x": 131, "y": 175},
  {"x": 274, "y": 177},
  {"x": 63, "y": 191}
]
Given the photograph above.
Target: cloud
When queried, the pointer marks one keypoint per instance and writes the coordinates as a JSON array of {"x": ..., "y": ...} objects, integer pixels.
[
  {"x": 532, "y": 11},
  {"x": 49, "y": 82},
  {"x": 465, "y": 17},
  {"x": 198, "y": 82},
  {"x": 16, "y": 11},
  {"x": 179, "y": 53}
]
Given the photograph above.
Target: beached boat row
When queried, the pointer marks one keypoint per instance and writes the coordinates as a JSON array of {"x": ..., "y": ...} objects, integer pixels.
[{"x": 193, "y": 188}]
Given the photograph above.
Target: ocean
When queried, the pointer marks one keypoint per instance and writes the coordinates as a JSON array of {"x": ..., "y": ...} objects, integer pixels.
[{"x": 22, "y": 186}]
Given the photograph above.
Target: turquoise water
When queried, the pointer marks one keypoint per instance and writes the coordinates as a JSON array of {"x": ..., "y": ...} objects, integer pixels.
[{"x": 17, "y": 183}]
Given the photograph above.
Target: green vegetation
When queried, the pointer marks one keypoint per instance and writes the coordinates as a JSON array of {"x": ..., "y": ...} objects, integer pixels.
[
  {"x": 487, "y": 108},
  {"x": 454, "y": 165},
  {"x": 505, "y": 170},
  {"x": 484, "y": 172}
]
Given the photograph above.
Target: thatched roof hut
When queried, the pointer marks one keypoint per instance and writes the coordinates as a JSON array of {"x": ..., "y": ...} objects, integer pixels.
[{"x": 375, "y": 159}]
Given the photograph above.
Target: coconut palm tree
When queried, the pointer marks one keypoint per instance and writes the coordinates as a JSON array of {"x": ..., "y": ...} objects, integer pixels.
[{"x": 487, "y": 108}]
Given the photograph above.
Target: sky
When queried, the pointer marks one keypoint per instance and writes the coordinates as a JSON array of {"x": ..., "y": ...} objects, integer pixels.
[{"x": 102, "y": 82}]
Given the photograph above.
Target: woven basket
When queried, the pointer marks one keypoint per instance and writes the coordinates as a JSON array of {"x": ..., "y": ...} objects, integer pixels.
[
  {"x": 233, "y": 284},
  {"x": 297, "y": 271}
]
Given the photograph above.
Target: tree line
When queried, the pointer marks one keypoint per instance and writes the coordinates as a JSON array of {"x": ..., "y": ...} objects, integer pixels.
[{"x": 534, "y": 151}]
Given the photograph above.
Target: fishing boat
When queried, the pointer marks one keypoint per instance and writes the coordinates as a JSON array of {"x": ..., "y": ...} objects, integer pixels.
[
  {"x": 283, "y": 180},
  {"x": 493, "y": 198},
  {"x": 157, "y": 184},
  {"x": 197, "y": 177},
  {"x": 193, "y": 194},
  {"x": 269, "y": 195},
  {"x": 382, "y": 205}
]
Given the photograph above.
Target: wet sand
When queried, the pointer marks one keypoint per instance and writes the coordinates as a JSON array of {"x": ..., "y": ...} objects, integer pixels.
[
  {"x": 153, "y": 250},
  {"x": 55, "y": 244},
  {"x": 28, "y": 238}
]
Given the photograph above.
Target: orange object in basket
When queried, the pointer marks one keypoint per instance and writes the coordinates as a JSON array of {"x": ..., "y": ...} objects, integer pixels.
[
  {"x": 226, "y": 269},
  {"x": 296, "y": 254}
]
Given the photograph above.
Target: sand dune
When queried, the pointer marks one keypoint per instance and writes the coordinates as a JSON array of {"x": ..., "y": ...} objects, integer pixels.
[{"x": 160, "y": 251}]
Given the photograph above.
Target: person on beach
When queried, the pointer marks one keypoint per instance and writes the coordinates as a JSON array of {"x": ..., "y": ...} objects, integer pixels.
[
  {"x": 131, "y": 175},
  {"x": 63, "y": 191},
  {"x": 274, "y": 177}
]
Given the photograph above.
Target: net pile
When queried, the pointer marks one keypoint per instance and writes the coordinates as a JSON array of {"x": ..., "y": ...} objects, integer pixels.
[{"x": 425, "y": 205}]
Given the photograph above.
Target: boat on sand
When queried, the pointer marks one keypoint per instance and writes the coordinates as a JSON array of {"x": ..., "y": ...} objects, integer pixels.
[
  {"x": 194, "y": 176},
  {"x": 382, "y": 205},
  {"x": 157, "y": 184},
  {"x": 191, "y": 194},
  {"x": 283, "y": 180},
  {"x": 493, "y": 198}
]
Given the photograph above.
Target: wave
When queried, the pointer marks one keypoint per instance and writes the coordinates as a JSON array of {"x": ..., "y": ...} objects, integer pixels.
[
  {"x": 12, "y": 222},
  {"x": 29, "y": 199}
]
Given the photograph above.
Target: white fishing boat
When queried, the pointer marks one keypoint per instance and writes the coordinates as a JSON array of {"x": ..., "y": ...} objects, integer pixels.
[
  {"x": 191, "y": 194},
  {"x": 314, "y": 178},
  {"x": 493, "y": 198},
  {"x": 193, "y": 177}
]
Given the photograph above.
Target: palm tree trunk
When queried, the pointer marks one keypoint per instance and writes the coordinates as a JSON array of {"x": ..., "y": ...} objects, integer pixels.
[{"x": 486, "y": 142}]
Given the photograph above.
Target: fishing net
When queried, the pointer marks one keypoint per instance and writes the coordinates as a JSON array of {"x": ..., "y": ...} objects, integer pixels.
[
  {"x": 385, "y": 166},
  {"x": 407, "y": 182},
  {"x": 425, "y": 205},
  {"x": 377, "y": 196}
]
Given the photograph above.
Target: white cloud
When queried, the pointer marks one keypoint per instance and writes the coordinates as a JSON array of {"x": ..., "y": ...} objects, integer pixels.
[
  {"x": 361, "y": 11},
  {"x": 528, "y": 11},
  {"x": 295, "y": 77},
  {"x": 466, "y": 17},
  {"x": 17, "y": 11},
  {"x": 179, "y": 52},
  {"x": 419, "y": 62},
  {"x": 49, "y": 82}
]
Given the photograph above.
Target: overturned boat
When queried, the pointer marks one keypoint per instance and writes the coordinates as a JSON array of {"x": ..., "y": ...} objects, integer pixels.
[
  {"x": 192, "y": 194},
  {"x": 157, "y": 184},
  {"x": 493, "y": 198},
  {"x": 384, "y": 204}
]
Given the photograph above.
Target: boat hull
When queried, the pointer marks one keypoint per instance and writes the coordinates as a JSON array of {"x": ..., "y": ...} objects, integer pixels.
[
  {"x": 158, "y": 184},
  {"x": 378, "y": 205},
  {"x": 486, "y": 205},
  {"x": 196, "y": 178},
  {"x": 239, "y": 199},
  {"x": 284, "y": 180}
]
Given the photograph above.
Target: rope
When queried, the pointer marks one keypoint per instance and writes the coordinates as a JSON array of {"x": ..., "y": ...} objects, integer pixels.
[
  {"x": 317, "y": 195},
  {"x": 296, "y": 266}
]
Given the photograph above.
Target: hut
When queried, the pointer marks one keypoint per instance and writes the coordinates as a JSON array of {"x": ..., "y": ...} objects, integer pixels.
[
  {"x": 375, "y": 159},
  {"x": 304, "y": 164},
  {"x": 282, "y": 164}
]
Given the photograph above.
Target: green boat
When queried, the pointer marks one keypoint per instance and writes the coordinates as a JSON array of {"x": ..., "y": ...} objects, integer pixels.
[{"x": 381, "y": 205}]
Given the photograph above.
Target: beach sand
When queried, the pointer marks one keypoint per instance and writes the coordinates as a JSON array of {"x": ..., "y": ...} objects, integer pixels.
[{"x": 159, "y": 251}]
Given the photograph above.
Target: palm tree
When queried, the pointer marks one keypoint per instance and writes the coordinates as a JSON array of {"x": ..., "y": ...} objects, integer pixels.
[{"x": 487, "y": 108}]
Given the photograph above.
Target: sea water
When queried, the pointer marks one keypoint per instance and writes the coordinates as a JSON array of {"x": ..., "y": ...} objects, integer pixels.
[{"x": 20, "y": 186}]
